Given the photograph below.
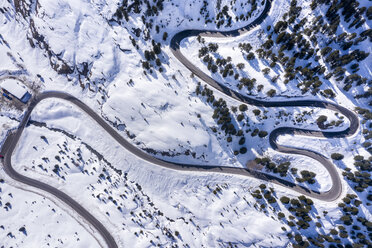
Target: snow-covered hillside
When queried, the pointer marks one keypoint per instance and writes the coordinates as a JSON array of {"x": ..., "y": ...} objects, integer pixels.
[
  {"x": 115, "y": 56},
  {"x": 114, "y": 184},
  {"x": 29, "y": 219}
]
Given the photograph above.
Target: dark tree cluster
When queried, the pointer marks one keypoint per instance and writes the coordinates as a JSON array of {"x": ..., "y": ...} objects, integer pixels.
[
  {"x": 352, "y": 229},
  {"x": 298, "y": 42},
  {"x": 224, "y": 19},
  {"x": 224, "y": 117},
  {"x": 264, "y": 194},
  {"x": 359, "y": 235},
  {"x": 247, "y": 48},
  {"x": 300, "y": 208},
  {"x": 366, "y": 114},
  {"x": 307, "y": 176},
  {"x": 149, "y": 8},
  {"x": 227, "y": 120},
  {"x": 281, "y": 169},
  {"x": 361, "y": 178},
  {"x": 249, "y": 83},
  {"x": 349, "y": 10},
  {"x": 153, "y": 57},
  {"x": 337, "y": 156},
  {"x": 224, "y": 66}
]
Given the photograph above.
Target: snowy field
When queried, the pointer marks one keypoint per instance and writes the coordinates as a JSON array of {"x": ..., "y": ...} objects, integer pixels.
[
  {"x": 200, "y": 220},
  {"x": 31, "y": 219},
  {"x": 229, "y": 47},
  {"x": 141, "y": 204}
]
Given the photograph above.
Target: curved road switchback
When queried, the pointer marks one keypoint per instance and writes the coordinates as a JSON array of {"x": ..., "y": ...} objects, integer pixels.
[
  {"x": 7, "y": 150},
  {"x": 336, "y": 188},
  {"x": 331, "y": 195}
]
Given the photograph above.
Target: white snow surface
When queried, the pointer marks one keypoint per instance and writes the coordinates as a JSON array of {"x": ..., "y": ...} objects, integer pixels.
[
  {"x": 63, "y": 115},
  {"x": 161, "y": 111},
  {"x": 45, "y": 221},
  {"x": 213, "y": 216}
]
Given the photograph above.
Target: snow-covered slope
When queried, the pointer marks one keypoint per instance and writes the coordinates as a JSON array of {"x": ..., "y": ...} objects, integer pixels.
[
  {"x": 97, "y": 51},
  {"x": 114, "y": 185},
  {"x": 29, "y": 219}
]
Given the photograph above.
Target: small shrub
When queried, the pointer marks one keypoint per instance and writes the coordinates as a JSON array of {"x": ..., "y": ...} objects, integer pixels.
[
  {"x": 284, "y": 200},
  {"x": 262, "y": 134},
  {"x": 337, "y": 156},
  {"x": 256, "y": 112},
  {"x": 243, "y": 150},
  {"x": 243, "y": 107}
]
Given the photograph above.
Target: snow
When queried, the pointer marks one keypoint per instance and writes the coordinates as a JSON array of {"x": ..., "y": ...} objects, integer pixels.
[
  {"x": 6, "y": 124},
  {"x": 322, "y": 145},
  {"x": 13, "y": 87},
  {"x": 213, "y": 218},
  {"x": 228, "y": 47},
  {"x": 161, "y": 113},
  {"x": 6, "y": 61},
  {"x": 43, "y": 218},
  {"x": 323, "y": 179}
]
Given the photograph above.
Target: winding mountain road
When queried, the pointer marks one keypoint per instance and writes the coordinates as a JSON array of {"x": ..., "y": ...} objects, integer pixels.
[
  {"x": 336, "y": 188},
  {"x": 335, "y": 191}
]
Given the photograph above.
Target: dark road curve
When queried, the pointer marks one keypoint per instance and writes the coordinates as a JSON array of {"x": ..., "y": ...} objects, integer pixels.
[
  {"x": 331, "y": 195},
  {"x": 336, "y": 188},
  {"x": 13, "y": 139}
]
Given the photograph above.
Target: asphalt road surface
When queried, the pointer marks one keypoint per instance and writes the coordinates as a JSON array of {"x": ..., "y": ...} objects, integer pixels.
[
  {"x": 331, "y": 195},
  {"x": 336, "y": 188}
]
